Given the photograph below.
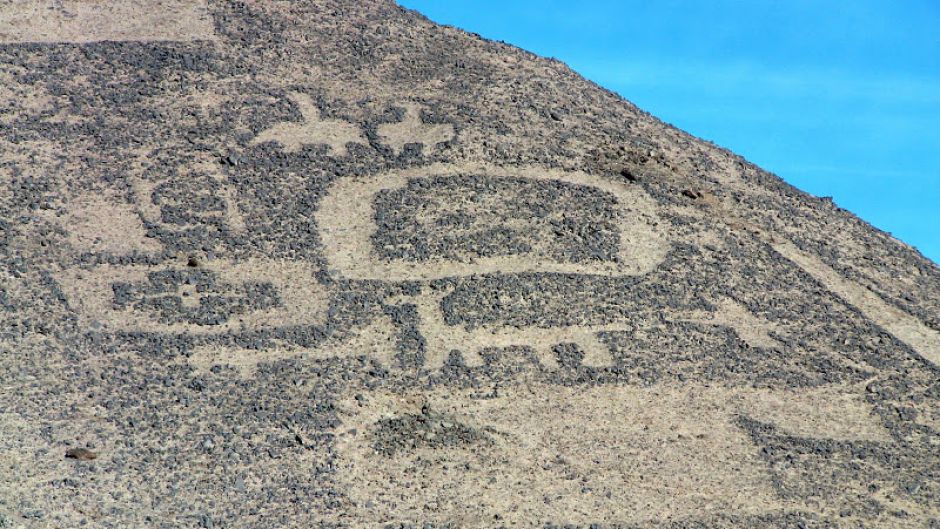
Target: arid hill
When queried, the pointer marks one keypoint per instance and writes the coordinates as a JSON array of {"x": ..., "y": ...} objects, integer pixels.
[{"x": 271, "y": 264}]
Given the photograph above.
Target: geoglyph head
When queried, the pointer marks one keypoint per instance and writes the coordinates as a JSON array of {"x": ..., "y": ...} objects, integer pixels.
[{"x": 448, "y": 221}]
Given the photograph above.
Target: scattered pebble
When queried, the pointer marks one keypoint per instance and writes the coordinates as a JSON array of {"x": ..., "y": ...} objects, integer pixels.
[{"x": 80, "y": 454}]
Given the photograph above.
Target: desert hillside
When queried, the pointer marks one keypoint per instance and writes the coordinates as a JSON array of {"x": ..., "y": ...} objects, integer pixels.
[{"x": 324, "y": 263}]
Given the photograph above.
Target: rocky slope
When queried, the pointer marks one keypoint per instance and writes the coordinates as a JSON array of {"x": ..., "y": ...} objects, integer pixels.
[{"x": 326, "y": 263}]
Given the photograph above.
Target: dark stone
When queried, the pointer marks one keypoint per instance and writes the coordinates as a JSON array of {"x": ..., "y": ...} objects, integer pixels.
[
  {"x": 629, "y": 175},
  {"x": 80, "y": 454}
]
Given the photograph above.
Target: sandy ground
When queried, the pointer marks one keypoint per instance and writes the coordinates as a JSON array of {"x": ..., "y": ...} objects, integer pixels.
[{"x": 298, "y": 264}]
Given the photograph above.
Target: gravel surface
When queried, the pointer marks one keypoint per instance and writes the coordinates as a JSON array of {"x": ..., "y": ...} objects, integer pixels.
[{"x": 556, "y": 310}]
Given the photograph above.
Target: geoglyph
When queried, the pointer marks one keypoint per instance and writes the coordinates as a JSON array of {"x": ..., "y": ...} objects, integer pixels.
[
  {"x": 314, "y": 130},
  {"x": 325, "y": 263},
  {"x": 679, "y": 453},
  {"x": 349, "y": 245},
  {"x": 219, "y": 296},
  {"x": 412, "y": 130}
]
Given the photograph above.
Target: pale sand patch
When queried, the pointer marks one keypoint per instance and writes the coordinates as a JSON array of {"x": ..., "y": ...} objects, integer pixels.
[
  {"x": 16, "y": 431},
  {"x": 924, "y": 340},
  {"x": 103, "y": 222},
  {"x": 830, "y": 412},
  {"x": 412, "y": 130},
  {"x": 304, "y": 300},
  {"x": 346, "y": 222},
  {"x": 314, "y": 130},
  {"x": 29, "y": 460},
  {"x": 599, "y": 455},
  {"x": 19, "y": 475},
  {"x": 98, "y": 20}
]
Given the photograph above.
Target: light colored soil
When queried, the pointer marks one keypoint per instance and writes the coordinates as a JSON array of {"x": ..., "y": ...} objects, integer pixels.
[
  {"x": 99, "y": 222},
  {"x": 586, "y": 455},
  {"x": 98, "y": 20}
]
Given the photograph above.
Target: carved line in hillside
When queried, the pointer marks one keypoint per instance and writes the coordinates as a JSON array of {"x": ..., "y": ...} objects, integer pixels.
[
  {"x": 376, "y": 340},
  {"x": 150, "y": 211},
  {"x": 654, "y": 453},
  {"x": 909, "y": 329},
  {"x": 441, "y": 338},
  {"x": 345, "y": 219},
  {"x": 412, "y": 130},
  {"x": 335, "y": 133},
  {"x": 905, "y": 327},
  {"x": 255, "y": 294},
  {"x": 89, "y": 21}
]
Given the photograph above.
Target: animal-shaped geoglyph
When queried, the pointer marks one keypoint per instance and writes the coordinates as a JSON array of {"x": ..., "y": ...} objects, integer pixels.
[
  {"x": 347, "y": 223},
  {"x": 441, "y": 339},
  {"x": 413, "y": 130},
  {"x": 313, "y": 130},
  {"x": 338, "y": 133}
]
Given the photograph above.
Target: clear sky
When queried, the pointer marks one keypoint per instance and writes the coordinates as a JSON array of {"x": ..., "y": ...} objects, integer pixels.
[{"x": 839, "y": 97}]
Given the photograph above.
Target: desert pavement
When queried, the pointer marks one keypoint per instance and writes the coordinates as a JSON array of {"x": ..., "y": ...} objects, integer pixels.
[{"x": 324, "y": 263}]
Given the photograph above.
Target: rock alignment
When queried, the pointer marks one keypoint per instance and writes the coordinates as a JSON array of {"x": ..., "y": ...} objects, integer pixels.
[{"x": 327, "y": 264}]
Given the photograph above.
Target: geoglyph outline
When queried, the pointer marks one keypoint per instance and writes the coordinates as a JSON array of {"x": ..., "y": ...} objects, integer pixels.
[
  {"x": 348, "y": 246},
  {"x": 91, "y": 293},
  {"x": 348, "y": 249},
  {"x": 314, "y": 129}
]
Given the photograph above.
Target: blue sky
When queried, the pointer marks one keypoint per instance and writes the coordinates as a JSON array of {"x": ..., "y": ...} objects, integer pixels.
[{"x": 840, "y": 98}]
